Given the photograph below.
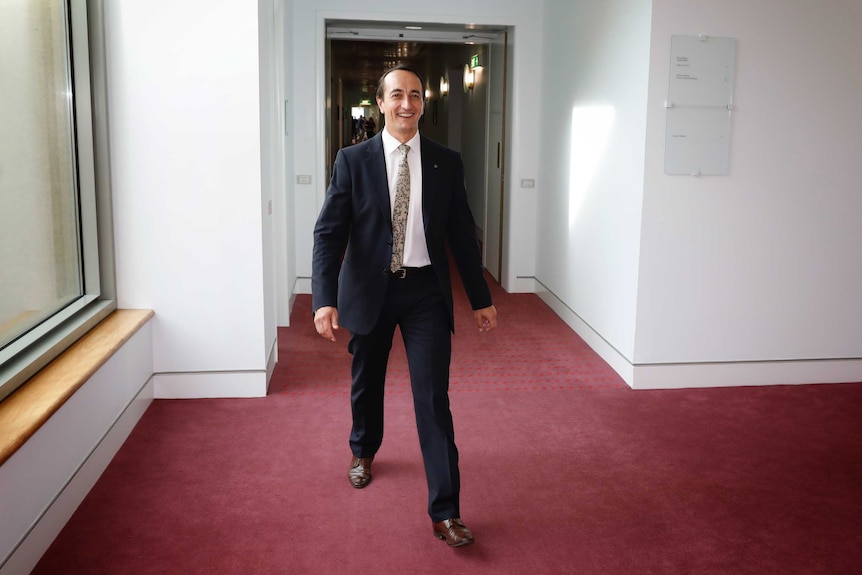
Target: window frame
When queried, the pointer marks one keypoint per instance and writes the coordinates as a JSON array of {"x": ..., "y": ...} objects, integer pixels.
[{"x": 24, "y": 357}]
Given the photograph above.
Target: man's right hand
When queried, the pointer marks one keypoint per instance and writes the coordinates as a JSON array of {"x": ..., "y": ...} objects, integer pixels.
[{"x": 326, "y": 322}]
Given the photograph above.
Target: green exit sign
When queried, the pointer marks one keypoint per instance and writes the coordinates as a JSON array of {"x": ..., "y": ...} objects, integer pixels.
[{"x": 474, "y": 61}]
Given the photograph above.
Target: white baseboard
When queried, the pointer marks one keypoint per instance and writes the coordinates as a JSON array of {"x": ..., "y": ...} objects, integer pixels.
[
  {"x": 747, "y": 373},
  {"x": 197, "y": 385},
  {"x": 302, "y": 285},
  {"x": 704, "y": 375},
  {"x": 271, "y": 362},
  {"x": 525, "y": 284}
]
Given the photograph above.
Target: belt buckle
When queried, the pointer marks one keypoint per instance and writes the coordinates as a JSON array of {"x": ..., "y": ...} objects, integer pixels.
[{"x": 400, "y": 273}]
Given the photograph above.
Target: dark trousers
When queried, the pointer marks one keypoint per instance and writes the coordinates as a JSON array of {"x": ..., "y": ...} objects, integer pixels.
[{"x": 416, "y": 305}]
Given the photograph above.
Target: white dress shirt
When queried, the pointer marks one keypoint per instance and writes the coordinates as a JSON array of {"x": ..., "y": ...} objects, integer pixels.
[{"x": 415, "y": 247}]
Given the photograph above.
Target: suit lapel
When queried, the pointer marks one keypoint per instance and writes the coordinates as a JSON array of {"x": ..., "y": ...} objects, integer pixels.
[
  {"x": 377, "y": 170},
  {"x": 430, "y": 182}
]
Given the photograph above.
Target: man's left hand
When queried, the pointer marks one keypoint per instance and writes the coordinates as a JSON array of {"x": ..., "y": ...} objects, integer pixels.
[{"x": 486, "y": 318}]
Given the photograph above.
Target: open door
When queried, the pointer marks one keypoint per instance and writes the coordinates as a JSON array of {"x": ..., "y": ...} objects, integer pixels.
[{"x": 496, "y": 158}]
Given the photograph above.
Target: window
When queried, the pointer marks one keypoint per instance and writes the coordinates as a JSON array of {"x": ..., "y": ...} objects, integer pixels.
[{"x": 56, "y": 263}]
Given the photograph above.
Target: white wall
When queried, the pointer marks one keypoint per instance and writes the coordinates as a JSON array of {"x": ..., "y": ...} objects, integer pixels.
[
  {"x": 309, "y": 150},
  {"x": 595, "y": 63},
  {"x": 185, "y": 128},
  {"x": 762, "y": 264},
  {"x": 679, "y": 281}
]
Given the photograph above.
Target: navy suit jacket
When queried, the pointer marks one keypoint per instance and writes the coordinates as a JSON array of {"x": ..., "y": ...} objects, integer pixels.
[{"x": 353, "y": 234}]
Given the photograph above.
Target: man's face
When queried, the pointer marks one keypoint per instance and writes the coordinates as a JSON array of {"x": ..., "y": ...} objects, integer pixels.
[{"x": 402, "y": 104}]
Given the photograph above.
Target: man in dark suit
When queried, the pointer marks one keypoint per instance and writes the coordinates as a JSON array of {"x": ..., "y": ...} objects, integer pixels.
[{"x": 380, "y": 260}]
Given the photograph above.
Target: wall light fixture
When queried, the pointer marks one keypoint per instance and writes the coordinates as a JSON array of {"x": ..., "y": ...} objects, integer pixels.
[
  {"x": 469, "y": 78},
  {"x": 444, "y": 87}
]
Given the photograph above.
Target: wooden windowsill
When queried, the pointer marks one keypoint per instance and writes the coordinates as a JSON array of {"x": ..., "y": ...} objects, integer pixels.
[{"x": 23, "y": 412}]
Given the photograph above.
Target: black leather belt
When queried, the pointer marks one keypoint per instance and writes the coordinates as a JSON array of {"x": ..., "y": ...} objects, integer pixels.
[{"x": 404, "y": 273}]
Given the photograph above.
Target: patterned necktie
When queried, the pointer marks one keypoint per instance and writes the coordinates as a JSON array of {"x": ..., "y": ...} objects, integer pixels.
[{"x": 399, "y": 209}]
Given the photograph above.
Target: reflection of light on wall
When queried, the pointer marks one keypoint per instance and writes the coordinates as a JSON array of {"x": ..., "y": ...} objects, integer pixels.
[{"x": 591, "y": 128}]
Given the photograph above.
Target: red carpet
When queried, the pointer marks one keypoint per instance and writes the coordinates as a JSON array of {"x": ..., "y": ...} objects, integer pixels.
[{"x": 564, "y": 470}]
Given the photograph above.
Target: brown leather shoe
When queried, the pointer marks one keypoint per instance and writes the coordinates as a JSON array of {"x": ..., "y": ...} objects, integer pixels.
[
  {"x": 454, "y": 532},
  {"x": 360, "y": 471}
]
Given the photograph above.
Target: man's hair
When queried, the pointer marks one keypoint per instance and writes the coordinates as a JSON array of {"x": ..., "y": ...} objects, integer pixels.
[{"x": 406, "y": 69}]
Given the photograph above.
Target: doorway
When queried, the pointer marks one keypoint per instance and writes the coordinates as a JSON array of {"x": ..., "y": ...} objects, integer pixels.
[{"x": 465, "y": 71}]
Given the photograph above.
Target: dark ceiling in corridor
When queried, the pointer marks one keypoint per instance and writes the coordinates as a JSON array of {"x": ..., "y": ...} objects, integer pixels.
[{"x": 361, "y": 51}]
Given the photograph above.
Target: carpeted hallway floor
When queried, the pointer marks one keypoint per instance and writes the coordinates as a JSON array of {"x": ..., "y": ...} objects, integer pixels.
[{"x": 564, "y": 470}]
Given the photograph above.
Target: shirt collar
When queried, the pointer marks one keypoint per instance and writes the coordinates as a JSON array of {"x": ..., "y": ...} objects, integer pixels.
[{"x": 390, "y": 144}]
